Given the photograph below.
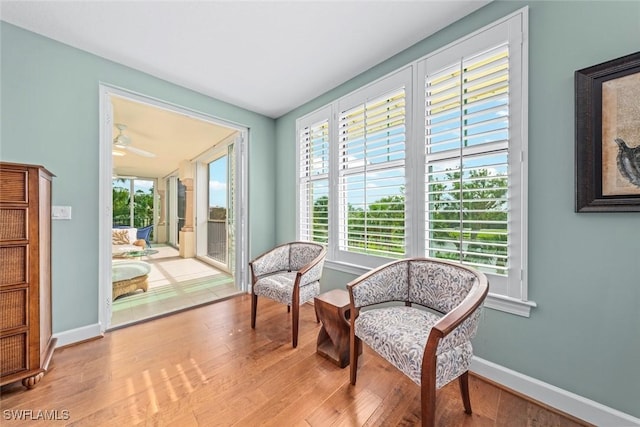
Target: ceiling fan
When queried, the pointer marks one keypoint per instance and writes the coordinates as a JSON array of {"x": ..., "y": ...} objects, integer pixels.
[{"x": 123, "y": 142}]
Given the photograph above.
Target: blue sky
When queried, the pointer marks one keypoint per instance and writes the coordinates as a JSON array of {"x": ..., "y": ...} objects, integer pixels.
[{"x": 218, "y": 182}]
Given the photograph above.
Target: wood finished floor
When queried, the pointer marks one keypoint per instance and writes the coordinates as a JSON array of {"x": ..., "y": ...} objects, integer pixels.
[{"x": 207, "y": 367}]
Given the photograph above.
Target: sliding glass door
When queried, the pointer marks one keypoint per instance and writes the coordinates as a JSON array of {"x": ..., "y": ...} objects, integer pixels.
[{"x": 217, "y": 244}]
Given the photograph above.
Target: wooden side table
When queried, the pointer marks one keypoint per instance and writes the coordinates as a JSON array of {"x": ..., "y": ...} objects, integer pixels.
[{"x": 332, "y": 308}]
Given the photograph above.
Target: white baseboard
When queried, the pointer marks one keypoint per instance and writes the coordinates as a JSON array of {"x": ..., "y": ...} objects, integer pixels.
[
  {"x": 77, "y": 335},
  {"x": 565, "y": 401}
]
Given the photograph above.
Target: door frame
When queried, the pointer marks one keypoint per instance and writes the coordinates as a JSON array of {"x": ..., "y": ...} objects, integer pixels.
[
  {"x": 202, "y": 212},
  {"x": 105, "y": 204}
]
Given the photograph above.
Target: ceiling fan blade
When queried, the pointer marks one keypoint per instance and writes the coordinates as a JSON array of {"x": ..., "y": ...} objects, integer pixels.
[{"x": 138, "y": 151}]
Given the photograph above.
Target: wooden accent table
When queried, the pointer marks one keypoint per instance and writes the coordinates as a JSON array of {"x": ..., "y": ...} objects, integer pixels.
[{"x": 332, "y": 308}]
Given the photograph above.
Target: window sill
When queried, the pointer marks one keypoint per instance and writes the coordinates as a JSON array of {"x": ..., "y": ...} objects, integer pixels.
[
  {"x": 493, "y": 301},
  {"x": 509, "y": 305}
]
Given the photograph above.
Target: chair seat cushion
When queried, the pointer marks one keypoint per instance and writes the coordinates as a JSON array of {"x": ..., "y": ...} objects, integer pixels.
[
  {"x": 279, "y": 287},
  {"x": 399, "y": 334}
]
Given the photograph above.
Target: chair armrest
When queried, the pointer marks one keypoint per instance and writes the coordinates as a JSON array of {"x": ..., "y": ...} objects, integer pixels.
[
  {"x": 455, "y": 320},
  {"x": 466, "y": 308},
  {"x": 313, "y": 270}
]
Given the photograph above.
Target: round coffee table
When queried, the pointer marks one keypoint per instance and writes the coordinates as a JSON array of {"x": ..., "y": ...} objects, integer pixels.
[
  {"x": 137, "y": 254},
  {"x": 129, "y": 276}
]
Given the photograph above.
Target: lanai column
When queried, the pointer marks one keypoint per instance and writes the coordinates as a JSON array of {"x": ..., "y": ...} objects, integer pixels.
[
  {"x": 161, "y": 228},
  {"x": 187, "y": 235}
]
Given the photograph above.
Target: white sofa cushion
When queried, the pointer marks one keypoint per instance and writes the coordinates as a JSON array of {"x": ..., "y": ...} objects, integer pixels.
[
  {"x": 122, "y": 240},
  {"x": 123, "y": 236}
]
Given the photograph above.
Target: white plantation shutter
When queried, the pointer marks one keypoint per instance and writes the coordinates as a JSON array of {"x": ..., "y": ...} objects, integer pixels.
[
  {"x": 474, "y": 97},
  {"x": 313, "y": 149},
  {"x": 372, "y": 136},
  {"x": 467, "y": 147},
  {"x": 429, "y": 160}
]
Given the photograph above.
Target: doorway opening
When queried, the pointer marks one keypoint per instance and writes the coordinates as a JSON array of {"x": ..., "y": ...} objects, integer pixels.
[{"x": 176, "y": 180}]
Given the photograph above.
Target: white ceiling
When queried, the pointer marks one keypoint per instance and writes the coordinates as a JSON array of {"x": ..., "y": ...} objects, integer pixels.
[
  {"x": 266, "y": 56},
  {"x": 170, "y": 136}
]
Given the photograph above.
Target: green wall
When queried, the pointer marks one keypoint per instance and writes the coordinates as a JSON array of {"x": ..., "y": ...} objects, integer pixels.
[
  {"x": 49, "y": 110},
  {"x": 584, "y": 269}
]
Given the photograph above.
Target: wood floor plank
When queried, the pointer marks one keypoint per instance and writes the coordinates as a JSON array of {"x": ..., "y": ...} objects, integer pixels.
[{"x": 208, "y": 367}]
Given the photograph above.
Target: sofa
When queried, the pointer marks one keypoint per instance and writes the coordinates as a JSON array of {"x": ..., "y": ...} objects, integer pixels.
[{"x": 125, "y": 240}]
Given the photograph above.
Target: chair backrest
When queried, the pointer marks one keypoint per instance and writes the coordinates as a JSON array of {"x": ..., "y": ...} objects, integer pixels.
[
  {"x": 432, "y": 283},
  {"x": 439, "y": 285},
  {"x": 144, "y": 232},
  {"x": 290, "y": 256},
  {"x": 302, "y": 253}
]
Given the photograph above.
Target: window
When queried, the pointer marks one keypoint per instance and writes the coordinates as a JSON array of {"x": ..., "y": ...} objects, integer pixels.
[
  {"x": 136, "y": 211},
  {"x": 371, "y": 140},
  {"x": 427, "y": 161},
  {"x": 313, "y": 183}
]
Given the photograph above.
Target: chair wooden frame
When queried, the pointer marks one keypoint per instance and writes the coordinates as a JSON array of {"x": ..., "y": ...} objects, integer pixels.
[
  {"x": 447, "y": 324},
  {"x": 294, "y": 305}
]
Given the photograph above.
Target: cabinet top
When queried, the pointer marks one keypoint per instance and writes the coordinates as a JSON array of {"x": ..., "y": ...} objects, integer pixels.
[{"x": 20, "y": 166}]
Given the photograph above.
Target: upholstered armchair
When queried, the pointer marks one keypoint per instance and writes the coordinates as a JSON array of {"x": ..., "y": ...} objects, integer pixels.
[
  {"x": 429, "y": 342},
  {"x": 289, "y": 274}
]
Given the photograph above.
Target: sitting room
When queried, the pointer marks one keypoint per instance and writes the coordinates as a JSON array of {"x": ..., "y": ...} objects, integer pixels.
[{"x": 412, "y": 149}]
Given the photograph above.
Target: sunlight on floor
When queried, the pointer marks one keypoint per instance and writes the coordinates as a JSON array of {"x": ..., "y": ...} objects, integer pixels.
[{"x": 174, "y": 284}]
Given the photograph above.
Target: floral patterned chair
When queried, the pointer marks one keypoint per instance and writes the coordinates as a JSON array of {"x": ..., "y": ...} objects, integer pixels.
[
  {"x": 289, "y": 274},
  {"x": 431, "y": 346}
]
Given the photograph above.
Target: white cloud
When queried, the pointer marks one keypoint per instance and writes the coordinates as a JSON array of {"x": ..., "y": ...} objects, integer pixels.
[{"x": 217, "y": 185}]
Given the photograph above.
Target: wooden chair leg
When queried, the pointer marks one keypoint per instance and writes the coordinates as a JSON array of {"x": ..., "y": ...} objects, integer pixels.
[
  {"x": 294, "y": 325},
  {"x": 288, "y": 309},
  {"x": 464, "y": 391},
  {"x": 354, "y": 344},
  {"x": 254, "y": 306},
  {"x": 428, "y": 402}
]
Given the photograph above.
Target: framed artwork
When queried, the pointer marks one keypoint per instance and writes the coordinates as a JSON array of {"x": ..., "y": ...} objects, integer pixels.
[{"x": 607, "y": 142}]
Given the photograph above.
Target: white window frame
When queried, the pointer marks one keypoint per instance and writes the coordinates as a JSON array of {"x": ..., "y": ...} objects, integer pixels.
[
  {"x": 323, "y": 114},
  {"x": 394, "y": 81},
  {"x": 509, "y": 294}
]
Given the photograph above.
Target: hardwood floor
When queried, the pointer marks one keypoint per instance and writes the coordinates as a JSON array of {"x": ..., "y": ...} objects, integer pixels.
[{"x": 207, "y": 367}]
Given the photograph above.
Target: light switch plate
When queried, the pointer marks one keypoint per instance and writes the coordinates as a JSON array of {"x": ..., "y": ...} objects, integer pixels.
[{"x": 61, "y": 212}]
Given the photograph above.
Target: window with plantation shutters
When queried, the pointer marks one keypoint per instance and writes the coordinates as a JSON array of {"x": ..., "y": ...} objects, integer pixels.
[
  {"x": 428, "y": 161},
  {"x": 467, "y": 152},
  {"x": 371, "y": 140},
  {"x": 313, "y": 149},
  {"x": 473, "y": 95}
]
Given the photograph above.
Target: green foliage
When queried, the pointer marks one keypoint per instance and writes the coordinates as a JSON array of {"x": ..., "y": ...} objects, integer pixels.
[
  {"x": 217, "y": 213},
  {"x": 320, "y": 220},
  {"x": 380, "y": 228},
  {"x": 142, "y": 206},
  {"x": 121, "y": 206},
  {"x": 483, "y": 237}
]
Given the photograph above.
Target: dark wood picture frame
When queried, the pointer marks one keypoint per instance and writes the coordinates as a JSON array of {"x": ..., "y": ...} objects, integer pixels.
[{"x": 589, "y": 137}]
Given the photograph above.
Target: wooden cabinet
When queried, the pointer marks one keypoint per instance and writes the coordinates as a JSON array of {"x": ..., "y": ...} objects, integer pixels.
[{"x": 26, "y": 346}]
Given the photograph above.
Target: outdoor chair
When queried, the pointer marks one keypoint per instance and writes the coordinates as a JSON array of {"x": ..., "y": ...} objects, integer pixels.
[
  {"x": 429, "y": 342},
  {"x": 144, "y": 233},
  {"x": 289, "y": 274}
]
